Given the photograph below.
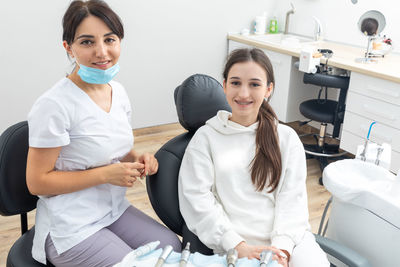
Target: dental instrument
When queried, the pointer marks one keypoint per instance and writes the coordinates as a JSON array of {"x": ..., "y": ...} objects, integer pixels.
[
  {"x": 185, "y": 254},
  {"x": 164, "y": 255},
  {"x": 140, "y": 251},
  {"x": 363, "y": 153},
  {"x": 231, "y": 257},
  {"x": 265, "y": 258},
  {"x": 378, "y": 154},
  {"x": 143, "y": 250}
]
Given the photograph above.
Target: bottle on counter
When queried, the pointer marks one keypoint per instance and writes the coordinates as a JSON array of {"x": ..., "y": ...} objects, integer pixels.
[
  {"x": 273, "y": 25},
  {"x": 260, "y": 24}
]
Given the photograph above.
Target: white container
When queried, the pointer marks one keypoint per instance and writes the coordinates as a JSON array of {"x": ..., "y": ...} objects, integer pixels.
[
  {"x": 260, "y": 25},
  {"x": 308, "y": 63}
]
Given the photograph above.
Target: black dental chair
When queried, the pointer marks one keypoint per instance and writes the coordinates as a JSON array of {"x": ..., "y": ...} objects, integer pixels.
[
  {"x": 14, "y": 195},
  {"x": 197, "y": 99},
  {"x": 325, "y": 111}
]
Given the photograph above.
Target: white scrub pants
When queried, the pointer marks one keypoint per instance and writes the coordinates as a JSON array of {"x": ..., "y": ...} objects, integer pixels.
[{"x": 308, "y": 253}]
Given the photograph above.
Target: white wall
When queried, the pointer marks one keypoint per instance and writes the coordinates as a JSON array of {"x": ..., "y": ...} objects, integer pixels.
[
  {"x": 339, "y": 18},
  {"x": 166, "y": 41}
]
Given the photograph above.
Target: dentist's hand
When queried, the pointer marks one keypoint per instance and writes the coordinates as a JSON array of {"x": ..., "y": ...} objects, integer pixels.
[
  {"x": 123, "y": 173},
  {"x": 150, "y": 164}
]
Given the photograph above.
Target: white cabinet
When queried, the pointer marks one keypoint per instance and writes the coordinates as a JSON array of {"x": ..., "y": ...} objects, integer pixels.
[
  {"x": 371, "y": 99},
  {"x": 290, "y": 90}
]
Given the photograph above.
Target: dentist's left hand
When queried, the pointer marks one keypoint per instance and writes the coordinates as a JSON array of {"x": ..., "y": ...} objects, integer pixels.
[{"x": 150, "y": 164}]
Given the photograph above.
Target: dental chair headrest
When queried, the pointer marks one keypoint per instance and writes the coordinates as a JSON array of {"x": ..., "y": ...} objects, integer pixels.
[{"x": 198, "y": 99}]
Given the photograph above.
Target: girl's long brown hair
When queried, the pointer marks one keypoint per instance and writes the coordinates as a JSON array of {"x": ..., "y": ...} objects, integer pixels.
[{"x": 266, "y": 167}]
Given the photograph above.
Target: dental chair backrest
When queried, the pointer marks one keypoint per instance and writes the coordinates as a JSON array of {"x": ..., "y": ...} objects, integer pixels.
[{"x": 197, "y": 99}]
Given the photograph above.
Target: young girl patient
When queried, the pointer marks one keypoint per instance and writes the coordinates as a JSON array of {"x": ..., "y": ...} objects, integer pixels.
[{"x": 242, "y": 178}]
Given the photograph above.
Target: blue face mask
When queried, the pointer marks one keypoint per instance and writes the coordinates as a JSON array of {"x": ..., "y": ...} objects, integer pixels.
[{"x": 97, "y": 76}]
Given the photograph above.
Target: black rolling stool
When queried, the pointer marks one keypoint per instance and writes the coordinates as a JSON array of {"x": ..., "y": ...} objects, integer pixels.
[{"x": 325, "y": 111}]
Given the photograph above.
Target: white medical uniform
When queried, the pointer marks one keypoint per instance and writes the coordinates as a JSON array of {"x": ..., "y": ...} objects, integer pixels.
[{"x": 65, "y": 116}]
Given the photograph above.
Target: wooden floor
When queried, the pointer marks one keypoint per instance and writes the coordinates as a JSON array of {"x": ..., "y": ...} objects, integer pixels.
[{"x": 150, "y": 140}]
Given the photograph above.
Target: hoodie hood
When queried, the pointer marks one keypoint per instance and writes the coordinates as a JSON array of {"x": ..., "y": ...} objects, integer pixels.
[{"x": 223, "y": 125}]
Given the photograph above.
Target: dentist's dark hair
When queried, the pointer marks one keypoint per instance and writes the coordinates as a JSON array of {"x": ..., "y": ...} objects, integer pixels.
[
  {"x": 79, "y": 10},
  {"x": 266, "y": 167}
]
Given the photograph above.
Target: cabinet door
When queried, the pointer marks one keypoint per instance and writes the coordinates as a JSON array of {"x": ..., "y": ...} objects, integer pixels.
[
  {"x": 280, "y": 96},
  {"x": 232, "y": 45}
]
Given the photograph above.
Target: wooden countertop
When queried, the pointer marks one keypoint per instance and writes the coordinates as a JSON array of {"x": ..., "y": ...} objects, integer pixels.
[{"x": 344, "y": 56}]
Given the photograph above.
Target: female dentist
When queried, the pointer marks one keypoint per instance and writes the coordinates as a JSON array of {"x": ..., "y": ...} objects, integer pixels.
[{"x": 80, "y": 158}]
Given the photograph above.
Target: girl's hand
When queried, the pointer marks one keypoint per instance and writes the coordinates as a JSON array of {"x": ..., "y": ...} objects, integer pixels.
[
  {"x": 280, "y": 256},
  {"x": 249, "y": 251},
  {"x": 123, "y": 173},
  {"x": 150, "y": 164}
]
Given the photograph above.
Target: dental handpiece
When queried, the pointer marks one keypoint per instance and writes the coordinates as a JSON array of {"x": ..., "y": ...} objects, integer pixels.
[
  {"x": 231, "y": 257},
  {"x": 378, "y": 155},
  {"x": 140, "y": 251},
  {"x": 143, "y": 250},
  {"x": 265, "y": 258},
  {"x": 185, "y": 254},
  {"x": 364, "y": 152},
  {"x": 164, "y": 255}
]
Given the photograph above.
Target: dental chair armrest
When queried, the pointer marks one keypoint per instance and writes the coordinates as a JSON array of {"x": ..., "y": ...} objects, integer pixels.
[{"x": 342, "y": 253}]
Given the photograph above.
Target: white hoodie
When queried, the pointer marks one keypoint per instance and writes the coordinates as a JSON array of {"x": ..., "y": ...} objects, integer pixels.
[{"x": 220, "y": 203}]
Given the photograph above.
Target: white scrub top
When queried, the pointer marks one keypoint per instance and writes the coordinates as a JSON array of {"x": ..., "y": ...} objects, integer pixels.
[{"x": 65, "y": 116}]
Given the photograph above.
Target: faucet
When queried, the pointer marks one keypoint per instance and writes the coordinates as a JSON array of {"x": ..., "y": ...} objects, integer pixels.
[
  {"x": 287, "y": 18},
  {"x": 317, "y": 30}
]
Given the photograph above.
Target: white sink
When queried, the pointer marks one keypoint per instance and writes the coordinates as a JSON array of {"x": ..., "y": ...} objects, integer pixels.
[
  {"x": 365, "y": 185},
  {"x": 365, "y": 211},
  {"x": 282, "y": 39}
]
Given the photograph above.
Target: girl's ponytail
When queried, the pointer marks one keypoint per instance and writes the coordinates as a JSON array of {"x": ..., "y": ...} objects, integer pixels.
[{"x": 266, "y": 167}]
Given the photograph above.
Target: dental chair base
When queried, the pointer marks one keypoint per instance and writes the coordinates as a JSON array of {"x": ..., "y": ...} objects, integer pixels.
[{"x": 365, "y": 232}]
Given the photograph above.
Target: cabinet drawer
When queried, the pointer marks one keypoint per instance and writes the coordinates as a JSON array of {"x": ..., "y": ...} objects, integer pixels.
[
  {"x": 232, "y": 45},
  {"x": 376, "y": 88},
  {"x": 374, "y": 109},
  {"x": 349, "y": 142},
  {"x": 380, "y": 133}
]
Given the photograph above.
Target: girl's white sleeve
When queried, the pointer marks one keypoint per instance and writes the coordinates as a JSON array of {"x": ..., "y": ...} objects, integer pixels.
[
  {"x": 291, "y": 208},
  {"x": 202, "y": 212}
]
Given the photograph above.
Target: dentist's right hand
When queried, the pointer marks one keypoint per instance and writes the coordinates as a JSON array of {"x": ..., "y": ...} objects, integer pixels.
[{"x": 123, "y": 173}]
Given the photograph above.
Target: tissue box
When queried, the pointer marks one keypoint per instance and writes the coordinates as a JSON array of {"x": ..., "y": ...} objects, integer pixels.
[{"x": 374, "y": 153}]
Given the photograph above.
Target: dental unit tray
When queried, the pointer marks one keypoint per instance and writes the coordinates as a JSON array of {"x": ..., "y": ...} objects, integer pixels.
[{"x": 147, "y": 256}]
